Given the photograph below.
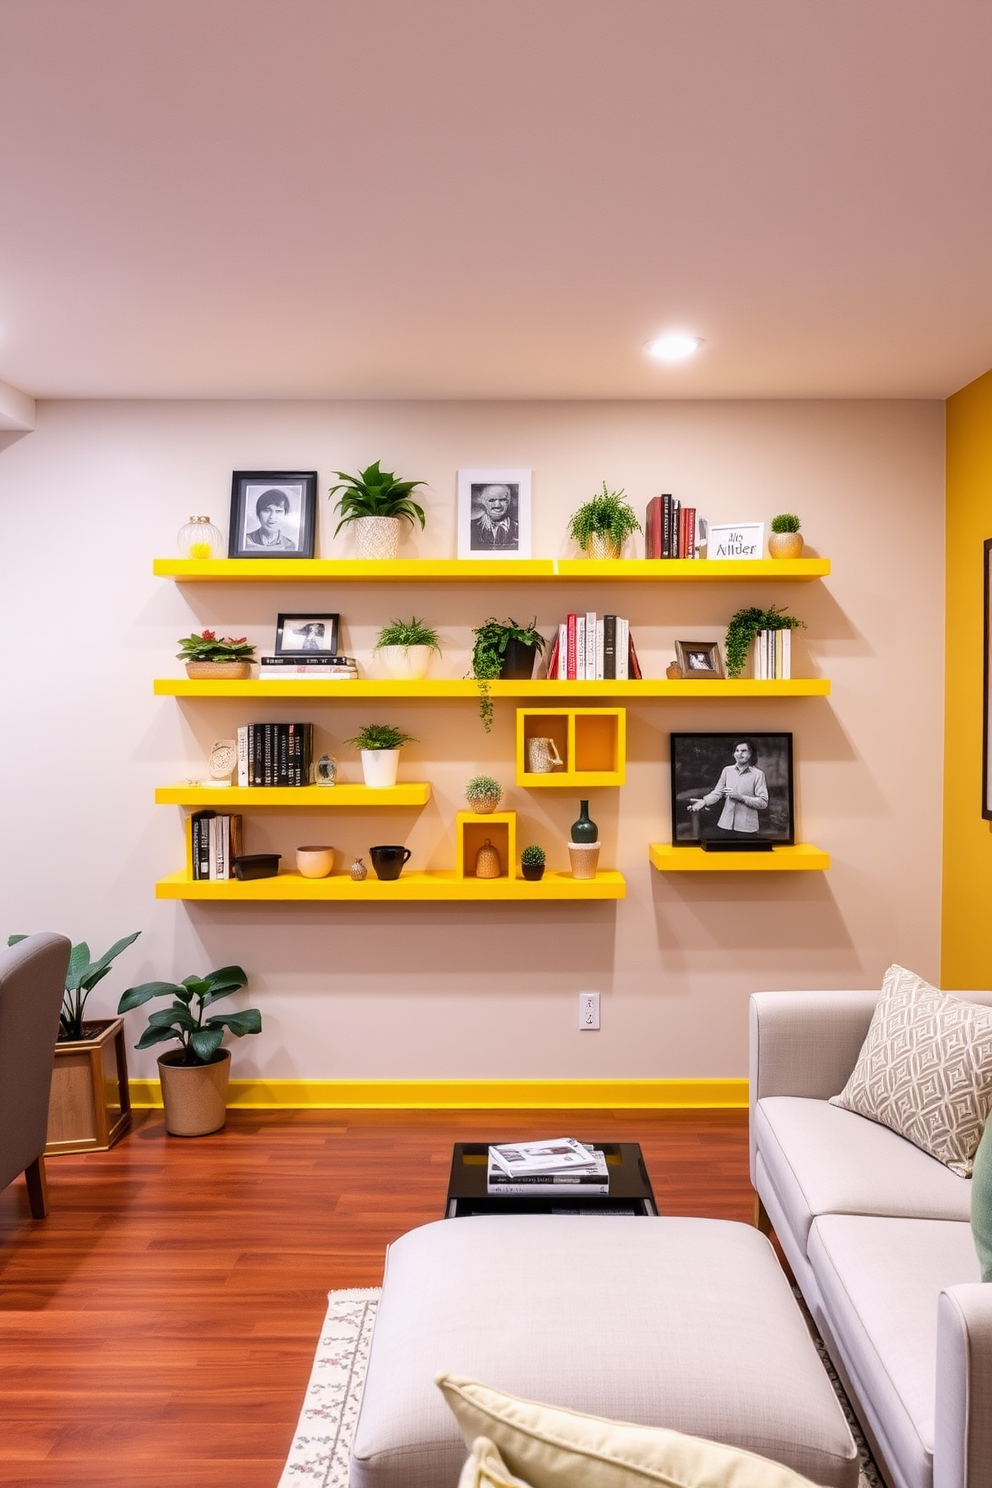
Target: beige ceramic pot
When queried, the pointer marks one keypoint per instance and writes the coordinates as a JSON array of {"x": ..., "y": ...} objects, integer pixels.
[
  {"x": 406, "y": 663},
  {"x": 315, "y": 862},
  {"x": 785, "y": 545},
  {"x": 584, "y": 858},
  {"x": 195, "y": 1095},
  {"x": 377, "y": 537}
]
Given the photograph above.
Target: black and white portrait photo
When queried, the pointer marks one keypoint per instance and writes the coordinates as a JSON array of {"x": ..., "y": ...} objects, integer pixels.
[
  {"x": 307, "y": 635},
  {"x": 272, "y": 514},
  {"x": 494, "y": 513},
  {"x": 732, "y": 788},
  {"x": 699, "y": 659}
]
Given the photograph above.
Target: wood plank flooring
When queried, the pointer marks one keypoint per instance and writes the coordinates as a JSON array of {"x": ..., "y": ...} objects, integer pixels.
[{"x": 157, "y": 1330}]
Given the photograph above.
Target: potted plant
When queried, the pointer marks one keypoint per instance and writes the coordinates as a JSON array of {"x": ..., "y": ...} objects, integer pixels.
[
  {"x": 784, "y": 540},
  {"x": 209, "y": 655},
  {"x": 532, "y": 861},
  {"x": 194, "y": 1077},
  {"x": 483, "y": 794},
  {"x": 90, "y": 1103},
  {"x": 503, "y": 650},
  {"x": 601, "y": 525},
  {"x": 380, "y": 746},
  {"x": 406, "y": 647},
  {"x": 743, "y": 628},
  {"x": 376, "y": 503}
]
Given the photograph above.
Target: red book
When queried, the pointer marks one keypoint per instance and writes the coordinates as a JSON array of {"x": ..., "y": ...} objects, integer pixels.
[
  {"x": 572, "y": 658},
  {"x": 633, "y": 665},
  {"x": 690, "y": 533},
  {"x": 652, "y": 528}
]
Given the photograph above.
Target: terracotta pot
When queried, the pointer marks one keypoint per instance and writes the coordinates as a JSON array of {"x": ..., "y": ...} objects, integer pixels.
[
  {"x": 194, "y": 1095},
  {"x": 785, "y": 545},
  {"x": 230, "y": 669}
]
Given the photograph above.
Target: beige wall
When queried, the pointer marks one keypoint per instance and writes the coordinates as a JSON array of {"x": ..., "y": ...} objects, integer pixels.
[{"x": 458, "y": 990}]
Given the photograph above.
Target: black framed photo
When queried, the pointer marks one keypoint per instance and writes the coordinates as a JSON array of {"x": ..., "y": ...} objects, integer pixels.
[
  {"x": 699, "y": 659},
  {"x": 987, "y": 688},
  {"x": 273, "y": 514},
  {"x": 307, "y": 635},
  {"x": 732, "y": 790}
]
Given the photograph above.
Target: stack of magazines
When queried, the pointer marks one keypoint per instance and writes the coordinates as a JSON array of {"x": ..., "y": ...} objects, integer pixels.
[{"x": 562, "y": 1165}]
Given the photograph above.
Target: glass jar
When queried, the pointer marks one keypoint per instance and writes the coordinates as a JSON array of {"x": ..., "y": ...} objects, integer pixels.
[{"x": 199, "y": 538}]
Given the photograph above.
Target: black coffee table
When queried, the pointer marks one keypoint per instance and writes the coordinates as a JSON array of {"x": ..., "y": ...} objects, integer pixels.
[{"x": 630, "y": 1188}]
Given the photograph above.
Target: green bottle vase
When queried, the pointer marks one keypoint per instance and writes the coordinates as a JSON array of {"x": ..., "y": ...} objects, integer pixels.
[{"x": 584, "y": 829}]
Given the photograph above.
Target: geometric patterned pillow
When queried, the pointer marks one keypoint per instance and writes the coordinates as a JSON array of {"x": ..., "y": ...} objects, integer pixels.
[{"x": 925, "y": 1069}]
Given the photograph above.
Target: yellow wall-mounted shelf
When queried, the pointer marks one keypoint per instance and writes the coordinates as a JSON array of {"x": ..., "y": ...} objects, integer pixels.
[
  {"x": 308, "y": 570},
  {"x": 591, "y": 741},
  {"x": 409, "y": 886},
  {"x": 414, "y": 793},
  {"x": 661, "y": 687},
  {"x": 669, "y": 859}
]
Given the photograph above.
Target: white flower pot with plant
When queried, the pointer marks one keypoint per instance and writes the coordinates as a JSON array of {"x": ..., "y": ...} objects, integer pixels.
[
  {"x": 376, "y": 504},
  {"x": 406, "y": 647},
  {"x": 600, "y": 526},
  {"x": 380, "y": 744}
]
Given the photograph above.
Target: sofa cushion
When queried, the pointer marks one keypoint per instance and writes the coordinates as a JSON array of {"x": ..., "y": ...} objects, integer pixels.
[
  {"x": 925, "y": 1069},
  {"x": 880, "y": 1280},
  {"x": 549, "y": 1447},
  {"x": 981, "y": 1202},
  {"x": 485, "y": 1468},
  {"x": 821, "y": 1159}
]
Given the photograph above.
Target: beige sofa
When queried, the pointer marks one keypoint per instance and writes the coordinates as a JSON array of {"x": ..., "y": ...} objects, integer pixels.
[{"x": 878, "y": 1237}]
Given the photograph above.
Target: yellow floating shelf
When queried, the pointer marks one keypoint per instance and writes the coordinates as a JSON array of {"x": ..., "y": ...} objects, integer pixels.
[
  {"x": 409, "y": 886},
  {"x": 414, "y": 793},
  {"x": 660, "y": 687},
  {"x": 482, "y": 570},
  {"x": 669, "y": 859}
]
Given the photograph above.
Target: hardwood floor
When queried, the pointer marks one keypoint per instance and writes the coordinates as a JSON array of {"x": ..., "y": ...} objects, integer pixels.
[{"x": 158, "y": 1328}]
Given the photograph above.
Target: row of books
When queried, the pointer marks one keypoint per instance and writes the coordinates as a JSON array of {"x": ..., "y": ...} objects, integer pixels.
[
  {"x": 593, "y": 648},
  {"x": 316, "y": 668},
  {"x": 275, "y": 753},
  {"x": 216, "y": 841},
  {"x": 670, "y": 529},
  {"x": 562, "y": 1166},
  {"x": 773, "y": 655}
]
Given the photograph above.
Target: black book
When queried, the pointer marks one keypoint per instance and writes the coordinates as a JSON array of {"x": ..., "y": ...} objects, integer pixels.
[
  {"x": 609, "y": 648},
  {"x": 200, "y": 842}
]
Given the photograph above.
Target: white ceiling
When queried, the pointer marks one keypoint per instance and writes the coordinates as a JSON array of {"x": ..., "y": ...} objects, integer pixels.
[{"x": 469, "y": 199}]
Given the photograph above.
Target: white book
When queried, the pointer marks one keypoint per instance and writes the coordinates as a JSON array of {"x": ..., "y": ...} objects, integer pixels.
[
  {"x": 599, "y": 650},
  {"x": 590, "y": 646},
  {"x": 623, "y": 649},
  {"x": 786, "y": 654},
  {"x": 580, "y": 648},
  {"x": 212, "y": 838},
  {"x": 563, "y": 652},
  {"x": 243, "y": 777}
]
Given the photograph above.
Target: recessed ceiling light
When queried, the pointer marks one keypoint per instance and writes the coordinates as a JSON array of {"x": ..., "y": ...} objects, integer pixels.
[{"x": 674, "y": 346}]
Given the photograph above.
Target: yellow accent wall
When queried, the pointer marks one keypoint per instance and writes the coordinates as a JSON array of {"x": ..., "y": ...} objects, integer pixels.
[{"x": 966, "y": 951}]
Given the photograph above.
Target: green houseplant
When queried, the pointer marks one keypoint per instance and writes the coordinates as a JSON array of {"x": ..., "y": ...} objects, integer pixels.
[
  {"x": 532, "y": 861},
  {"x": 744, "y": 626},
  {"x": 601, "y": 525},
  {"x": 194, "y": 1077},
  {"x": 407, "y": 646},
  {"x": 210, "y": 655},
  {"x": 483, "y": 793},
  {"x": 785, "y": 541},
  {"x": 380, "y": 745},
  {"x": 376, "y": 502},
  {"x": 502, "y": 649}
]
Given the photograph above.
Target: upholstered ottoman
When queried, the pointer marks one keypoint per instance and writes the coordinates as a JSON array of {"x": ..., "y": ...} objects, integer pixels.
[{"x": 684, "y": 1323}]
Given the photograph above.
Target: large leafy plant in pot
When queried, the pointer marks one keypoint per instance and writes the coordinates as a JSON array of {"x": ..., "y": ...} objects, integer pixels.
[{"x": 376, "y": 502}]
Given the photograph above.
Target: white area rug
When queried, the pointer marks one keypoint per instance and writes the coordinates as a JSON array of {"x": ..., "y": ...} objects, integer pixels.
[{"x": 322, "y": 1445}]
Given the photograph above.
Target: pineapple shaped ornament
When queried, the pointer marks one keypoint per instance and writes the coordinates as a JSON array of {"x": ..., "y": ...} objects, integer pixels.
[{"x": 358, "y": 871}]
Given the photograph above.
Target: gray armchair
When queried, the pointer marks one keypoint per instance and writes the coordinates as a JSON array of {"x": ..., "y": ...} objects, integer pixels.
[{"x": 32, "y": 981}]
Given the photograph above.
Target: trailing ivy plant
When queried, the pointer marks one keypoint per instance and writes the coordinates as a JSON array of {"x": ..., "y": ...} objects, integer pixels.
[
  {"x": 743, "y": 628},
  {"x": 491, "y": 641}
]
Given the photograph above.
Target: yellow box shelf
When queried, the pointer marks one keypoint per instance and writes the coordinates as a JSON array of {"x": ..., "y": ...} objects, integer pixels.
[
  {"x": 802, "y": 855},
  {"x": 413, "y": 793},
  {"x": 471, "y": 830},
  {"x": 482, "y": 570},
  {"x": 409, "y": 886},
  {"x": 591, "y": 741},
  {"x": 723, "y": 689}
]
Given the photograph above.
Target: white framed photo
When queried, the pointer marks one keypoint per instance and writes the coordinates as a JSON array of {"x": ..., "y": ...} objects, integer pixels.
[
  {"x": 735, "y": 540},
  {"x": 494, "y": 513}
]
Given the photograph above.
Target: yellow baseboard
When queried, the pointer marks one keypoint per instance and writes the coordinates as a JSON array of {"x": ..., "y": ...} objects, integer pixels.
[{"x": 468, "y": 1095}]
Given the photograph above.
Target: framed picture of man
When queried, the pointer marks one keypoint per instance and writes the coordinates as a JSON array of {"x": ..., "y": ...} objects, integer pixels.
[
  {"x": 494, "y": 513},
  {"x": 732, "y": 790},
  {"x": 273, "y": 514}
]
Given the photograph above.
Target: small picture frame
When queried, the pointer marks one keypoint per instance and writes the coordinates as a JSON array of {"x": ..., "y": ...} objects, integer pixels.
[
  {"x": 699, "y": 660},
  {"x": 307, "y": 635},
  {"x": 273, "y": 514},
  {"x": 494, "y": 514},
  {"x": 732, "y": 790}
]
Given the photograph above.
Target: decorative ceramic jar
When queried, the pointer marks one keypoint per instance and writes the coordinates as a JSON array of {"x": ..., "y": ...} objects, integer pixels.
[
  {"x": 542, "y": 756},
  {"x": 584, "y": 858},
  {"x": 199, "y": 538},
  {"x": 487, "y": 861},
  {"x": 358, "y": 871}
]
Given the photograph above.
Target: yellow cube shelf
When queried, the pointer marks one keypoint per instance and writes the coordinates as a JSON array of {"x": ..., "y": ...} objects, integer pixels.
[
  {"x": 591, "y": 741},
  {"x": 802, "y": 855},
  {"x": 409, "y": 886},
  {"x": 471, "y": 831},
  {"x": 321, "y": 797}
]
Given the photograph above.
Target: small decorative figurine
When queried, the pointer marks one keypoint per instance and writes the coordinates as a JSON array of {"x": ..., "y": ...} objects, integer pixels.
[
  {"x": 487, "y": 861},
  {"x": 325, "y": 771},
  {"x": 222, "y": 761},
  {"x": 358, "y": 870}
]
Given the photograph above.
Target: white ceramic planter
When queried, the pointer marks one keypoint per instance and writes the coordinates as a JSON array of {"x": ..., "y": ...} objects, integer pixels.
[
  {"x": 406, "y": 663},
  {"x": 584, "y": 858},
  {"x": 377, "y": 537},
  {"x": 379, "y": 767}
]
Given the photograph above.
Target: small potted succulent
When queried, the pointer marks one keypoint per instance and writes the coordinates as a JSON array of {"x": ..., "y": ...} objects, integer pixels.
[
  {"x": 601, "y": 525},
  {"x": 376, "y": 503},
  {"x": 380, "y": 746},
  {"x": 503, "y": 649},
  {"x": 210, "y": 655},
  {"x": 744, "y": 626},
  {"x": 532, "y": 861},
  {"x": 483, "y": 794},
  {"x": 194, "y": 1077},
  {"x": 784, "y": 540},
  {"x": 407, "y": 646}
]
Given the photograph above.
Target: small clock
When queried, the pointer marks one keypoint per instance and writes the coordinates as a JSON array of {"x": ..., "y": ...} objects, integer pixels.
[{"x": 223, "y": 759}]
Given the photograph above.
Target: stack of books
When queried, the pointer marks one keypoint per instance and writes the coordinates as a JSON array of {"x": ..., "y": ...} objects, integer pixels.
[
  {"x": 670, "y": 529},
  {"x": 773, "y": 655},
  {"x": 316, "y": 668},
  {"x": 593, "y": 648},
  {"x": 561, "y": 1166},
  {"x": 215, "y": 841},
  {"x": 275, "y": 753}
]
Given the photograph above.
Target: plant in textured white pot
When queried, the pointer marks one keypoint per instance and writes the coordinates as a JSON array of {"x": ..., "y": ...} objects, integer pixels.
[
  {"x": 377, "y": 503},
  {"x": 380, "y": 746},
  {"x": 407, "y": 647}
]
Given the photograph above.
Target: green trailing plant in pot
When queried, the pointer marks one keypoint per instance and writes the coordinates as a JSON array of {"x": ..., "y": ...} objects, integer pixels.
[
  {"x": 194, "y": 1077},
  {"x": 407, "y": 647},
  {"x": 743, "y": 628},
  {"x": 785, "y": 541},
  {"x": 376, "y": 502},
  {"x": 503, "y": 649},
  {"x": 380, "y": 744},
  {"x": 483, "y": 794},
  {"x": 210, "y": 655},
  {"x": 532, "y": 861},
  {"x": 601, "y": 526}
]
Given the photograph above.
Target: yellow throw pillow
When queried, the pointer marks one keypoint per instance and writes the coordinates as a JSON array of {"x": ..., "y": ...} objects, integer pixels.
[
  {"x": 548, "y": 1447},
  {"x": 485, "y": 1468}
]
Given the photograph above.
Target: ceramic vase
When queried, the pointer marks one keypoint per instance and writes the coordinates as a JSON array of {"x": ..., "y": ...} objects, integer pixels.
[
  {"x": 379, "y": 767},
  {"x": 584, "y": 829}
]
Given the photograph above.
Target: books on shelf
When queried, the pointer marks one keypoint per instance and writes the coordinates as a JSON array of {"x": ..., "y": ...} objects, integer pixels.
[
  {"x": 580, "y": 1181},
  {"x": 312, "y": 667},
  {"x": 593, "y": 648},
  {"x": 275, "y": 753},
  {"x": 671, "y": 530},
  {"x": 773, "y": 655},
  {"x": 215, "y": 841}
]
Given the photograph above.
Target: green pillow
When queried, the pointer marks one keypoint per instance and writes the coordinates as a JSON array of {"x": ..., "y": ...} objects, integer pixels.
[{"x": 981, "y": 1202}]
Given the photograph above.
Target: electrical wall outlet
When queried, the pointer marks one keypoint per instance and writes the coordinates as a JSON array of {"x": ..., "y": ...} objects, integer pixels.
[{"x": 588, "y": 1009}]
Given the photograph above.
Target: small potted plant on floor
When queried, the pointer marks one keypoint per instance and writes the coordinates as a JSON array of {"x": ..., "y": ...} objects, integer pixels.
[
  {"x": 195, "y": 1077},
  {"x": 406, "y": 647},
  {"x": 532, "y": 861},
  {"x": 784, "y": 540},
  {"x": 209, "y": 655},
  {"x": 600, "y": 526},
  {"x": 483, "y": 794},
  {"x": 503, "y": 649},
  {"x": 380, "y": 746},
  {"x": 376, "y": 503}
]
